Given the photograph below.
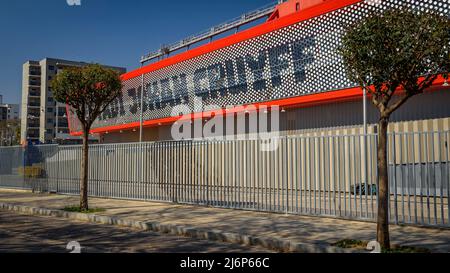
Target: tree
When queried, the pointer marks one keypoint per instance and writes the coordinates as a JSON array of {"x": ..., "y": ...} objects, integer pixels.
[
  {"x": 8, "y": 132},
  {"x": 394, "y": 55},
  {"x": 88, "y": 90}
]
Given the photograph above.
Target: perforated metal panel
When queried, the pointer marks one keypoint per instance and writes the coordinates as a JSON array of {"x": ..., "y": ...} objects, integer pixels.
[{"x": 296, "y": 60}]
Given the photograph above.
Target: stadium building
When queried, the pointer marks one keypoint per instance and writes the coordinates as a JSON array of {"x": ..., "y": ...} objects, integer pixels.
[{"x": 290, "y": 60}]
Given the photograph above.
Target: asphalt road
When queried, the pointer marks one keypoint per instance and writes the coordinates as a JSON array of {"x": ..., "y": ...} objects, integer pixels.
[{"x": 34, "y": 234}]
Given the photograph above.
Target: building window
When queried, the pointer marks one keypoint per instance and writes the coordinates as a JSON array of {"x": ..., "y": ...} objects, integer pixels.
[
  {"x": 51, "y": 67},
  {"x": 50, "y": 110}
]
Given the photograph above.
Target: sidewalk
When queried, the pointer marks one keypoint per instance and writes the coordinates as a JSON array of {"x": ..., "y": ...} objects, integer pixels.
[{"x": 299, "y": 229}]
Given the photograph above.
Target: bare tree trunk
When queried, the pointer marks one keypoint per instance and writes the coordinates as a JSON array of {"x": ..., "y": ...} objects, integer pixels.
[
  {"x": 84, "y": 172},
  {"x": 383, "y": 185}
]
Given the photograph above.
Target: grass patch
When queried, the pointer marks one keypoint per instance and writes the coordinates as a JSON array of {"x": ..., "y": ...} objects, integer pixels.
[
  {"x": 77, "y": 209},
  {"x": 347, "y": 243},
  {"x": 361, "y": 245}
]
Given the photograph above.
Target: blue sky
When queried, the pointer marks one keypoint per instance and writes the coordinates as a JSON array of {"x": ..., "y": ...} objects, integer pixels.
[{"x": 114, "y": 32}]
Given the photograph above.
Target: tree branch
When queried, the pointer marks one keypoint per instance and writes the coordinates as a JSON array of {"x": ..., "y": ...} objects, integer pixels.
[{"x": 396, "y": 105}]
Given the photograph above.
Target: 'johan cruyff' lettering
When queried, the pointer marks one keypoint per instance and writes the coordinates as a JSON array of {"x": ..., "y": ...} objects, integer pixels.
[{"x": 259, "y": 72}]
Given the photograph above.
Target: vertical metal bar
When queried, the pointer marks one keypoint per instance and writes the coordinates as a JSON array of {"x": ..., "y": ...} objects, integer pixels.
[
  {"x": 295, "y": 176},
  {"x": 433, "y": 164},
  {"x": 255, "y": 161},
  {"x": 200, "y": 173},
  {"x": 237, "y": 172},
  {"x": 355, "y": 175},
  {"x": 442, "y": 178},
  {"x": 253, "y": 173},
  {"x": 291, "y": 189},
  {"x": 184, "y": 180},
  {"x": 258, "y": 175},
  {"x": 225, "y": 172},
  {"x": 338, "y": 172},
  {"x": 210, "y": 170},
  {"x": 249, "y": 169},
  {"x": 402, "y": 176},
  {"x": 265, "y": 178},
  {"x": 160, "y": 177},
  {"x": 347, "y": 175},
  {"x": 207, "y": 172},
  {"x": 330, "y": 172},
  {"x": 369, "y": 181},
  {"x": 239, "y": 177},
  {"x": 428, "y": 176},
  {"x": 287, "y": 167},
  {"x": 151, "y": 171},
  {"x": 221, "y": 182},
  {"x": 420, "y": 176},
  {"x": 331, "y": 176},
  {"x": 316, "y": 174},
  {"x": 245, "y": 173},
  {"x": 363, "y": 176},
  {"x": 394, "y": 140},
  {"x": 157, "y": 160},
  {"x": 320, "y": 153},
  {"x": 167, "y": 182},
  {"x": 376, "y": 172},
  {"x": 310, "y": 170},
  {"x": 447, "y": 139},
  {"x": 408, "y": 175},
  {"x": 242, "y": 173},
  {"x": 233, "y": 174},
  {"x": 272, "y": 180},
  {"x": 302, "y": 153},
  {"x": 414, "y": 177},
  {"x": 57, "y": 168}
]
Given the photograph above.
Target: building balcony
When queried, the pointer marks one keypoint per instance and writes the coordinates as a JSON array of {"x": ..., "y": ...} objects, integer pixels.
[
  {"x": 33, "y": 126},
  {"x": 33, "y": 116}
]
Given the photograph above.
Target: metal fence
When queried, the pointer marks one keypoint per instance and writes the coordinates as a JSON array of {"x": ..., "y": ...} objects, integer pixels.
[{"x": 309, "y": 175}]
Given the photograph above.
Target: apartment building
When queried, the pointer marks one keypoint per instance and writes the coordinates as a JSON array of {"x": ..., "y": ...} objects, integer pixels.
[
  {"x": 9, "y": 111},
  {"x": 44, "y": 120}
]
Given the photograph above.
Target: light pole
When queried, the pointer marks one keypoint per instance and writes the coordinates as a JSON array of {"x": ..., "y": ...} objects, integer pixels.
[{"x": 365, "y": 136}]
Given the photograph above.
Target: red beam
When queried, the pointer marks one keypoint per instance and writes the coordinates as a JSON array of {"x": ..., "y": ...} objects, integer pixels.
[{"x": 294, "y": 102}]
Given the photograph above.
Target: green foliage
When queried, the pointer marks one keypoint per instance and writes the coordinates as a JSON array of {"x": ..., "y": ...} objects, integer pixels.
[
  {"x": 362, "y": 245},
  {"x": 78, "y": 209},
  {"x": 10, "y": 131},
  {"x": 392, "y": 49},
  {"x": 349, "y": 243},
  {"x": 88, "y": 90}
]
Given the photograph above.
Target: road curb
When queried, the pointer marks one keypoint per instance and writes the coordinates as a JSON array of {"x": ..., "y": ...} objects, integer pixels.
[{"x": 212, "y": 235}]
